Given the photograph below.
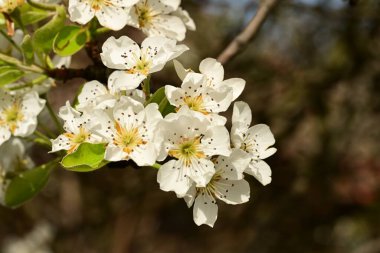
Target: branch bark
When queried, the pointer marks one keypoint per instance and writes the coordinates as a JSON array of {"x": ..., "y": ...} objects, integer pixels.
[{"x": 241, "y": 41}]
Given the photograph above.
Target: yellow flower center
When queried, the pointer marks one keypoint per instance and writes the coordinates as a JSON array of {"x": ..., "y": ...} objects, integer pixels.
[
  {"x": 187, "y": 150},
  {"x": 77, "y": 139},
  {"x": 127, "y": 139},
  {"x": 195, "y": 104},
  {"x": 144, "y": 15},
  {"x": 96, "y": 5},
  {"x": 11, "y": 116}
]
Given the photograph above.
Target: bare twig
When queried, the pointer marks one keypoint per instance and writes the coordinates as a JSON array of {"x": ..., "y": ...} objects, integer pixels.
[{"x": 248, "y": 33}]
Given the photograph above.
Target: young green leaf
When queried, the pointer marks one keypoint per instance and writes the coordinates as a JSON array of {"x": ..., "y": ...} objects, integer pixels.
[
  {"x": 9, "y": 75},
  {"x": 27, "y": 184},
  {"x": 70, "y": 40},
  {"x": 30, "y": 15},
  {"x": 158, "y": 96},
  {"x": 27, "y": 49},
  {"x": 87, "y": 157},
  {"x": 44, "y": 36}
]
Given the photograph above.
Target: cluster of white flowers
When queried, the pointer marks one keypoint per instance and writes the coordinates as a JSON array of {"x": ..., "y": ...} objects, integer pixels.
[
  {"x": 154, "y": 17},
  {"x": 198, "y": 158},
  {"x": 13, "y": 162},
  {"x": 199, "y": 161}
]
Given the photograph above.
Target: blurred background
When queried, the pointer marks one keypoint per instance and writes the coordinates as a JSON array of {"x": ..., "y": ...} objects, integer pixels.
[{"x": 313, "y": 75}]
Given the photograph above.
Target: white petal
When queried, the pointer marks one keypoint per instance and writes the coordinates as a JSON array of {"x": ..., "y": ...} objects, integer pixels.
[
  {"x": 169, "y": 26},
  {"x": 242, "y": 114},
  {"x": 174, "y": 95},
  {"x": 235, "y": 85},
  {"x": 205, "y": 210},
  {"x": 113, "y": 17},
  {"x": 261, "y": 135},
  {"x": 162, "y": 6},
  {"x": 261, "y": 171},
  {"x": 145, "y": 155},
  {"x": 216, "y": 141},
  {"x": 232, "y": 167},
  {"x": 200, "y": 171},
  {"x": 120, "y": 53},
  {"x": 5, "y": 134},
  {"x": 171, "y": 178},
  {"x": 121, "y": 80},
  {"x": 212, "y": 69},
  {"x": 114, "y": 153},
  {"x": 190, "y": 196},
  {"x": 60, "y": 143},
  {"x": 80, "y": 11},
  {"x": 233, "y": 191},
  {"x": 181, "y": 71},
  {"x": 32, "y": 105},
  {"x": 185, "y": 17}
]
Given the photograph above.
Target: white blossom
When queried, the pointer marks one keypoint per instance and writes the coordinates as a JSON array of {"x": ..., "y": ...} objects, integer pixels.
[
  {"x": 79, "y": 128},
  {"x": 255, "y": 141},
  {"x": 190, "y": 139},
  {"x": 129, "y": 131},
  {"x": 14, "y": 161},
  {"x": 7, "y": 6},
  {"x": 227, "y": 184},
  {"x": 161, "y": 18},
  {"x": 95, "y": 95},
  {"x": 137, "y": 63},
  {"x": 198, "y": 96},
  {"x": 18, "y": 114},
  {"x": 214, "y": 72},
  {"x": 110, "y": 13}
]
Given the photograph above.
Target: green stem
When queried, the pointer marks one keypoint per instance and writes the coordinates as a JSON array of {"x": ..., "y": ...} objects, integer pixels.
[
  {"x": 146, "y": 87},
  {"x": 53, "y": 115},
  {"x": 36, "y": 81},
  {"x": 48, "y": 7},
  {"x": 10, "y": 40},
  {"x": 100, "y": 31},
  {"x": 43, "y": 138},
  {"x": 156, "y": 166},
  {"x": 19, "y": 64}
]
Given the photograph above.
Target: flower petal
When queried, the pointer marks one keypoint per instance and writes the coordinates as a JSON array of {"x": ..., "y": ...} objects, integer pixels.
[
  {"x": 260, "y": 170},
  {"x": 205, "y": 210},
  {"x": 212, "y": 69},
  {"x": 121, "y": 80},
  {"x": 233, "y": 191},
  {"x": 171, "y": 178}
]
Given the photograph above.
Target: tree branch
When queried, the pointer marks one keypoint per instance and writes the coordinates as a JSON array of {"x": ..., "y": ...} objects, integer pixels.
[{"x": 248, "y": 33}]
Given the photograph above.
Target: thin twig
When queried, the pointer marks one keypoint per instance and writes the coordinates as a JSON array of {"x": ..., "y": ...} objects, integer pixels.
[{"x": 248, "y": 33}]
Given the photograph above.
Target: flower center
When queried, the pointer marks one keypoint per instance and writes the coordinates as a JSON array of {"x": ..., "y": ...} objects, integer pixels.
[
  {"x": 211, "y": 188},
  {"x": 195, "y": 104},
  {"x": 127, "y": 139},
  {"x": 77, "y": 139},
  {"x": 187, "y": 150},
  {"x": 11, "y": 116},
  {"x": 144, "y": 15}
]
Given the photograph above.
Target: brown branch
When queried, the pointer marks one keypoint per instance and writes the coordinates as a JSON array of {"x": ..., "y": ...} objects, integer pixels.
[
  {"x": 92, "y": 72},
  {"x": 248, "y": 33}
]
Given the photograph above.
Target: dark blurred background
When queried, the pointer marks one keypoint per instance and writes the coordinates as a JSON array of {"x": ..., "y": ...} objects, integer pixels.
[{"x": 313, "y": 75}]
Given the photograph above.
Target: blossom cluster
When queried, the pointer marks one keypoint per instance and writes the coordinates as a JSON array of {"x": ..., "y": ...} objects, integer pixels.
[
  {"x": 154, "y": 17},
  {"x": 199, "y": 159}
]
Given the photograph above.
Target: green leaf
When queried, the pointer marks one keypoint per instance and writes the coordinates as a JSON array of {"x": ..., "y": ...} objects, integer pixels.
[
  {"x": 70, "y": 40},
  {"x": 163, "y": 104},
  {"x": 165, "y": 107},
  {"x": 27, "y": 49},
  {"x": 27, "y": 184},
  {"x": 31, "y": 15},
  {"x": 9, "y": 75},
  {"x": 87, "y": 157},
  {"x": 44, "y": 36},
  {"x": 158, "y": 96}
]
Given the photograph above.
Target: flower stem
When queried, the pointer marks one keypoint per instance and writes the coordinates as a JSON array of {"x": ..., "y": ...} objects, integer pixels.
[
  {"x": 43, "y": 139},
  {"x": 13, "y": 61},
  {"x": 146, "y": 87},
  {"x": 156, "y": 166}
]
